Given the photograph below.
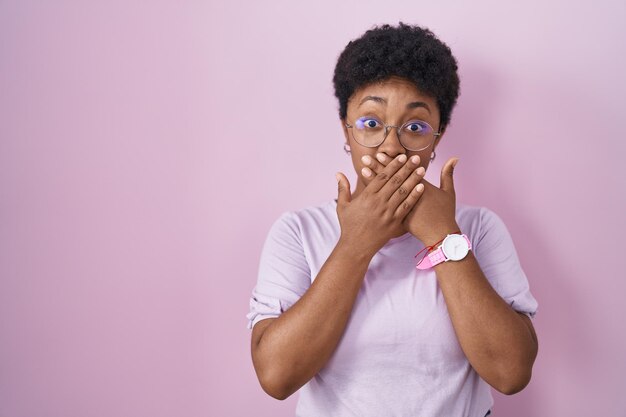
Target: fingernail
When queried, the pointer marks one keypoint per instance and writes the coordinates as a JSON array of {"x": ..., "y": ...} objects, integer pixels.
[
  {"x": 366, "y": 172},
  {"x": 366, "y": 159},
  {"x": 402, "y": 158},
  {"x": 415, "y": 159},
  {"x": 380, "y": 157},
  {"x": 420, "y": 171}
]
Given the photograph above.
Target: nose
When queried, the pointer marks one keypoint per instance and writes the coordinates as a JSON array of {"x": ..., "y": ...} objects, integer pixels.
[{"x": 391, "y": 146}]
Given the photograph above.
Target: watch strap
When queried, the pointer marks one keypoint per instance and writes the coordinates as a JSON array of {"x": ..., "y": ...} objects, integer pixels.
[
  {"x": 433, "y": 258},
  {"x": 438, "y": 256},
  {"x": 469, "y": 242}
]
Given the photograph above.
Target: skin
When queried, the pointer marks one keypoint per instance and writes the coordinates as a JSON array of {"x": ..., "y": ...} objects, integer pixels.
[
  {"x": 499, "y": 343},
  {"x": 398, "y": 92},
  {"x": 431, "y": 215}
]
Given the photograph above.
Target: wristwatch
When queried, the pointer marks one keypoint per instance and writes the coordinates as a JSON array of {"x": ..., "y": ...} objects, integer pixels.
[{"x": 453, "y": 248}]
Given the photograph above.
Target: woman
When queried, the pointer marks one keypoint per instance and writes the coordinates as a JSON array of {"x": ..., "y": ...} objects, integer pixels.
[{"x": 343, "y": 310}]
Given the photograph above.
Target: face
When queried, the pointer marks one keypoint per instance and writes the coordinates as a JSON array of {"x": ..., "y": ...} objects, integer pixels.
[{"x": 391, "y": 107}]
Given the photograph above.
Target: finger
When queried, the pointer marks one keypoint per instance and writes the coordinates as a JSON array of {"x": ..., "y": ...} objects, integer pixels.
[
  {"x": 447, "y": 181},
  {"x": 343, "y": 189},
  {"x": 375, "y": 166},
  {"x": 413, "y": 178},
  {"x": 383, "y": 159},
  {"x": 397, "y": 179},
  {"x": 381, "y": 178},
  {"x": 372, "y": 168},
  {"x": 407, "y": 205}
]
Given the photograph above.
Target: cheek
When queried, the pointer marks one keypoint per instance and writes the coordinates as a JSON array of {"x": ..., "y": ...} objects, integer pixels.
[{"x": 357, "y": 163}]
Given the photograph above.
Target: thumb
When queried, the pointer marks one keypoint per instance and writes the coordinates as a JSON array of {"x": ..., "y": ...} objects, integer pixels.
[
  {"x": 447, "y": 180},
  {"x": 343, "y": 185}
]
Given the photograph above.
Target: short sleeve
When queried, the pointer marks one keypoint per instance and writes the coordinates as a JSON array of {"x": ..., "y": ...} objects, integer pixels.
[
  {"x": 284, "y": 273},
  {"x": 498, "y": 259}
]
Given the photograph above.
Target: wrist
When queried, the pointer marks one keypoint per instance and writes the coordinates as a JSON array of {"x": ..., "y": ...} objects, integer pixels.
[
  {"x": 435, "y": 238},
  {"x": 354, "y": 250},
  {"x": 455, "y": 246}
]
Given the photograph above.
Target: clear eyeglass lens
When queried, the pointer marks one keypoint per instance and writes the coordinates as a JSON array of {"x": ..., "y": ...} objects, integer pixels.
[{"x": 414, "y": 135}]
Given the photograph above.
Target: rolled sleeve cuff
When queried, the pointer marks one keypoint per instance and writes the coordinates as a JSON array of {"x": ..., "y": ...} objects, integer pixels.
[{"x": 259, "y": 310}]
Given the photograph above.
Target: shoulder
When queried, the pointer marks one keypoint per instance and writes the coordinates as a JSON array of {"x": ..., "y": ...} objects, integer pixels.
[
  {"x": 321, "y": 217},
  {"x": 476, "y": 221},
  {"x": 470, "y": 213},
  {"x": 323, "y": 210}
]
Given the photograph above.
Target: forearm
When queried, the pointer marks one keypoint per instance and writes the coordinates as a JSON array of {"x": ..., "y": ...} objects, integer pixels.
[
  {"x": 496, "y": 341},
  {"x": 301, "y": 341}
]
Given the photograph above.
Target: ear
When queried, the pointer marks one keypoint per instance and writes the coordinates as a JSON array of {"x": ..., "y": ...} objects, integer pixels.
[{"x": 443, "y": 131}]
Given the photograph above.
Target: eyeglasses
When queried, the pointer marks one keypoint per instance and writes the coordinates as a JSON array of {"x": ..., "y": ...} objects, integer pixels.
[{"x": 414, "y": 135}]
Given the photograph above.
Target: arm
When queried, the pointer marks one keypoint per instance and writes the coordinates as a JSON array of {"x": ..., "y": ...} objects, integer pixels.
[
  {"x": 296, "y": 345},
  {"x": 293, "y": 347},
  {"x": 500, "y": 343}
]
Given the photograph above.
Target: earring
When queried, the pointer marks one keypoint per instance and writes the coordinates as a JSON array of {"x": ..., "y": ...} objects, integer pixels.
[
  {"x": 346, "y": 148},
  {"x": 432, "y": 156}
]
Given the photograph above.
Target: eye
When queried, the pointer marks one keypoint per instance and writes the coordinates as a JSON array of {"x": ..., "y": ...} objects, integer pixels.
[
  {"x": 367, "y": 123},
  {"x": 417, "y": 127}
]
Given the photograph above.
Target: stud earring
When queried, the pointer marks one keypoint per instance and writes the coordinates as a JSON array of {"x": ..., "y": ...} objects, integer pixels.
[
  {"x": 432, "y": 156},
  {"x": 346, "y": 148}
]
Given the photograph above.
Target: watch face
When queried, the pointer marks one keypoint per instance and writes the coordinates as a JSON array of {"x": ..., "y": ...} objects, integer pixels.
[{"x": 455, "y": 247}]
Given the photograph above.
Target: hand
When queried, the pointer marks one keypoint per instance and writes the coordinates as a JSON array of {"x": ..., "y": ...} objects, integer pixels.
[
  {"x": 433, "y": 216},
  {"x": 377, "y": 213}
]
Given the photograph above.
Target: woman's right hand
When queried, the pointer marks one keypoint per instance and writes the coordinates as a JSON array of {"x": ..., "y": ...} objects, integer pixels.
[{"x": 376, "y": 214}]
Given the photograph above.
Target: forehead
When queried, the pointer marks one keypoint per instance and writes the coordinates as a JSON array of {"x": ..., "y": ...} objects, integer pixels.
[{"x": 397, "y": 91}]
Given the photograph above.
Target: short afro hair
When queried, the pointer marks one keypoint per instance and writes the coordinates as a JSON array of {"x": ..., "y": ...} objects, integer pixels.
[{"x": 406, "y": 51}]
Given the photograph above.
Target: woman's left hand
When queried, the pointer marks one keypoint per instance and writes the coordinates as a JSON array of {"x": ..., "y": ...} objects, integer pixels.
[{"x": 433, "y": 217}]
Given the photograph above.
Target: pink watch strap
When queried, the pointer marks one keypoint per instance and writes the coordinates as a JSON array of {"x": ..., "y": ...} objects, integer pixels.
[
  {"x": 433, "y": 258},
  {"x": 437, "y": 256}
]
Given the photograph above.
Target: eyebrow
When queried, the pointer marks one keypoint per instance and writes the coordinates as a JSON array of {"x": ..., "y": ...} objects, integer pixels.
[{"x": 412, "y": 105}]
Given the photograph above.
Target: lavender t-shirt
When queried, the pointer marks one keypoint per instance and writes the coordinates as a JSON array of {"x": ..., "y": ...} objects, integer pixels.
[{"x": 399, "y": 354}]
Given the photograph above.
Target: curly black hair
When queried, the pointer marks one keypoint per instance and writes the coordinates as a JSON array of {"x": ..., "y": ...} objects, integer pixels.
[{"x": 406, "y": 51}]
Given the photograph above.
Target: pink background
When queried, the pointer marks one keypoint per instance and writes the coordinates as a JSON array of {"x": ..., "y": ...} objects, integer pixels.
[{"x": 146, "y": 148}]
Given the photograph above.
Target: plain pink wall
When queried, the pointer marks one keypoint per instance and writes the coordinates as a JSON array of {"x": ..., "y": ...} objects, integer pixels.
[{"x": 146, "y": 148}]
